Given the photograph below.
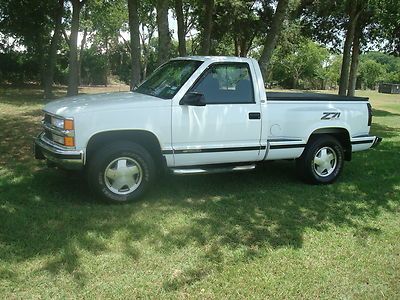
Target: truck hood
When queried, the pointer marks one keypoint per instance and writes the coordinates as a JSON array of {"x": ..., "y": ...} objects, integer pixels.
[{"x": 70, "y": 106}]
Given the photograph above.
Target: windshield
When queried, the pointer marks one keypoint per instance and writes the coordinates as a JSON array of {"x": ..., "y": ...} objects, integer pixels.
[{"x": 169, "y": 78}]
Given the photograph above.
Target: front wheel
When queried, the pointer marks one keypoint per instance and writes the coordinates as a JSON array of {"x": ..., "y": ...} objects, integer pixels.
[
  {"x": 121, "y": 172},
  {"x": 322, "y": 160}
]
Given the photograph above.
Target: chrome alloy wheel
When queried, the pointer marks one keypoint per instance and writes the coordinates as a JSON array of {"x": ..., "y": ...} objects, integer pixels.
[
  {"x": 325, "y": 161},
  {"x": 123, "y": 175}
]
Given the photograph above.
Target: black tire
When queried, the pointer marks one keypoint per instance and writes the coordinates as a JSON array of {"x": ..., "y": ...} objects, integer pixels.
[
  {"x": 328, "y": 170},
  {"x": 139, "y": 172}
]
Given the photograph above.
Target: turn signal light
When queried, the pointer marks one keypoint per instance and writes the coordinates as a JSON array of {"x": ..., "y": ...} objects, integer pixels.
[
  {"x": 68, "y": 124},
  {"x": 69, "y": 141}
]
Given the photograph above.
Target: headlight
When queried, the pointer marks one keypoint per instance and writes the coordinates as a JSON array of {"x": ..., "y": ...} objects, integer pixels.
[
  {"x": 67, "y": 124},
  {"x": 68, "y": 141},
  {"x": 58, "y": 139},
  {"x": 59, "y": 123}
]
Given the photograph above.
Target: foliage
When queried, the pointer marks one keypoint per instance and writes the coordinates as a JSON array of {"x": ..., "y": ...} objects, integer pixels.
[
  {"x": 332, "y": 71},
  {"x": 299, "y": 62},
  {"x": 94, "y": 66},
  {"x": 108, "y": 19},
  {"x": 27, "y": 21},
  {"x": 323, "y": 21},
  {"x": 371, "y": 73},
  {"x": 386, "y": 29},
  {"x": 17, "y": 67},
  {"x": 239, "y": 28},
  {"x": 29, "y": 24},
  {"x": 377, "y": 67},
  {"x": 238, "y": 23}
]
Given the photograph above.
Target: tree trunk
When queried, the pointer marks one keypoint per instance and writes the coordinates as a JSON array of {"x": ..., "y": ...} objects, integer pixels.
[
  {"x": 243, "y": 46},
  {"x": 354, "y": 60},
  {"x": 236, "y": 45},
  {"x": 145, "y": 48},
  {"x": 181, "y": 28},
  {"x": 66, "y": 38},
  {"x": 208, "y": 10},
  {"x": 83, "y": 43},
  {"x": 133, "y": 8},
  {"x": 272, "y": 36},
  {"x": 250, "y": 42},
  {"x": 107, "y": 64},
  {"x": 164, "y": 39},
  {"x": 145, "y": 54},
  {"x": 41, "y": 60},
  {"x": 73, "y": 51},
  {"x": 344, "y": 73},
  {"x": 52, "y": 56}
]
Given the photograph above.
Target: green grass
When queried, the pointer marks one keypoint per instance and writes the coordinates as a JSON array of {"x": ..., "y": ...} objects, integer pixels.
[{"x": 261, "y": 234}]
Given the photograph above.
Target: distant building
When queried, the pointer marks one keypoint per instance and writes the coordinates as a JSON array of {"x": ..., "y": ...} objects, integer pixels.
[{"x": 389, "y": 88}]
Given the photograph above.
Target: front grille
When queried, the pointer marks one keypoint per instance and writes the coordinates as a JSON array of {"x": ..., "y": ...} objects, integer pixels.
[
  {"x": 47, "y": 133},
  {"x": 47, "y": 119},
  {"x": 47, "y": 122}
]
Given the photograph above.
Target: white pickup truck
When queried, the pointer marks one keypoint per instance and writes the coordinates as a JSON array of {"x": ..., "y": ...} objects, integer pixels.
[{"x": 200, "y": 115}]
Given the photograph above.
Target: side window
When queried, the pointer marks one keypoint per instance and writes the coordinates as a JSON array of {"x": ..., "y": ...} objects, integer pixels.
[{"x": 226, "y": 83}]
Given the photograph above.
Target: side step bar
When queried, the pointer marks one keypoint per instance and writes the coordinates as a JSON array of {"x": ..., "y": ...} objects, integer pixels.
[{"x": 212, "y": 170}]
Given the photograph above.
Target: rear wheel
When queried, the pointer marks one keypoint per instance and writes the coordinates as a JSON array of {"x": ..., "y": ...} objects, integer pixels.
[
  {"x": 322, "y": 160},
  {"x": 121, "y": 172}
]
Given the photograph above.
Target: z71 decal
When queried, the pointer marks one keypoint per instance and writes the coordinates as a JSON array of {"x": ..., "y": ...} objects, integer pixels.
[{"x": 330, "y": 115}]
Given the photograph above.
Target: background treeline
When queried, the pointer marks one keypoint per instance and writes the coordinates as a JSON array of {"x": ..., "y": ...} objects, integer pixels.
[{"x": 310, "y": 44}]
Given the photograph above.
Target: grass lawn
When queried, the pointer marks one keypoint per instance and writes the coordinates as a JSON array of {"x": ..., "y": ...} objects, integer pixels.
[{"x": 262, "y": 234}]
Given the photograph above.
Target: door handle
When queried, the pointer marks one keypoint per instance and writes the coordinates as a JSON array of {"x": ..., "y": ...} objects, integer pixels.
[{"x": 254, "y": 116}]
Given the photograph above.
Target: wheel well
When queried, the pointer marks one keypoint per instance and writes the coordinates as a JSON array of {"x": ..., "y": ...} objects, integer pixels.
[
  {"x": 341, "y": 134},
  {"x": 145, "y": 139}
]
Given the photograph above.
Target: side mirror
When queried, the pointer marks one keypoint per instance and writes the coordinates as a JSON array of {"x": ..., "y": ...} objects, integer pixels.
[{"x": 193, "y": 99}]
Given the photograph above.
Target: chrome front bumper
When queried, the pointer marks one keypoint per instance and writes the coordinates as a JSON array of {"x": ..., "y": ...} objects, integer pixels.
[{"x": 67, "y": 159}]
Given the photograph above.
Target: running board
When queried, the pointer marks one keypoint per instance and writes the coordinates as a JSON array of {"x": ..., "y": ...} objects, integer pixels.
[{"x": 212, "y": 170}]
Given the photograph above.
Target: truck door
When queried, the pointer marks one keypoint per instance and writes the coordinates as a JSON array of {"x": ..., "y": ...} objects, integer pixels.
[{"x": 227, "y": 129}]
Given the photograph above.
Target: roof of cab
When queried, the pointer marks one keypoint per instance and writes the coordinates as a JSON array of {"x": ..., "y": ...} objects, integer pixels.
[{"x": 215, "y": 58}]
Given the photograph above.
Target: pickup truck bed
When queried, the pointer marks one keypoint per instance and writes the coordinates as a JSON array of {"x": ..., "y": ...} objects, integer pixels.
[{"x": 284, "y": 96}]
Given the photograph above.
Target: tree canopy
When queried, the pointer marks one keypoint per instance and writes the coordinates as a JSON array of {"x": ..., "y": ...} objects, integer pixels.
[{"x": 299, "y": 43}]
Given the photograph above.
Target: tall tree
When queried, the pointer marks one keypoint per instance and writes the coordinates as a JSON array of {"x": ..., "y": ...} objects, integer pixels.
[
  {"x": 106, "y": 20},
  {"x": 52, "y": 55},
  {"x": 272, "y": 36},
  {"x": 355, "y": 9},
  {"x": 181, "y": 27},
  {"x": 240, "y": 22},
  {"x": 361, "y": 21},
  {"x": 386, "y": 33},
  {"x": 164, "y": 38},
  {"x": 355, "y": 54},
  {"x": 133, "y": 7},
  {"x": 298, "y": 62},
  {"x": 80, "y": 55},
  {"x": 207, "y": 22},
  {"x": 148, "y": 25},
  {"x": 73, "y": 71},
  {"x": 30, "y": 25}
]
